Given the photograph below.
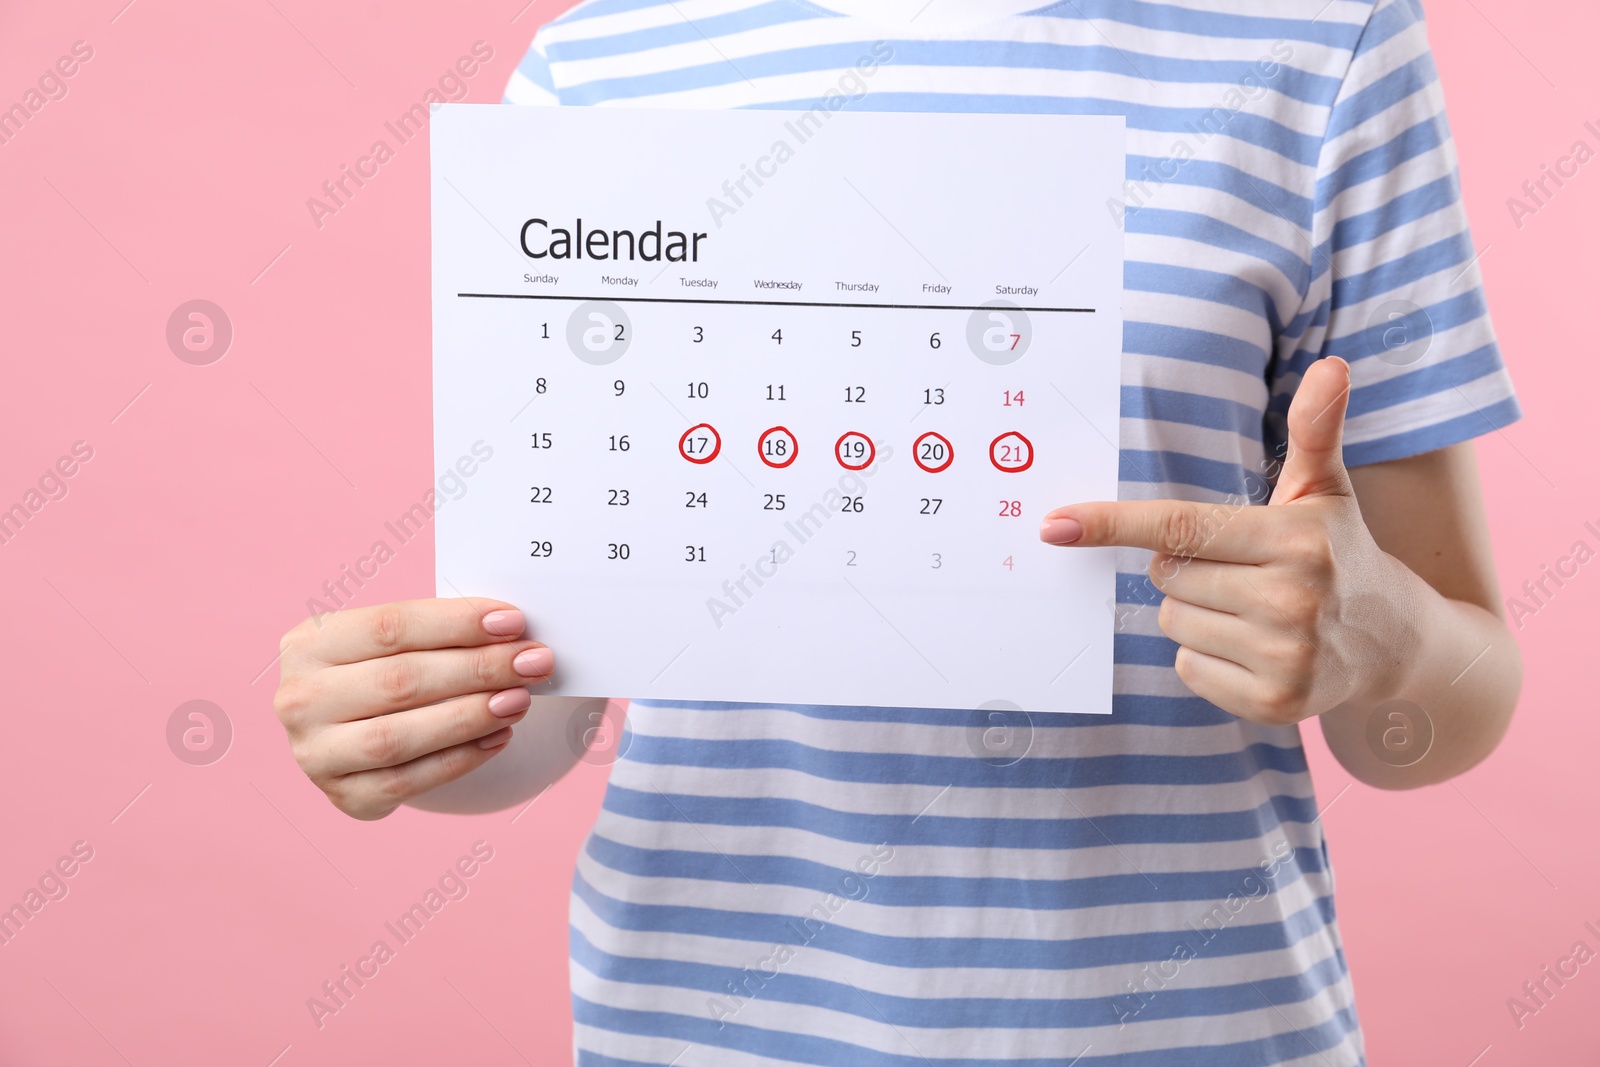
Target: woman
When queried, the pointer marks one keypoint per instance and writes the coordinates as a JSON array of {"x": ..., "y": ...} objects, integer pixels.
[{"x": 1306, "y": 357}]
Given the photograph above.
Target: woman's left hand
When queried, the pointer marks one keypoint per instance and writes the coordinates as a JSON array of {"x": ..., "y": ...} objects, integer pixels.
[{"x": 1281, "y": 612}]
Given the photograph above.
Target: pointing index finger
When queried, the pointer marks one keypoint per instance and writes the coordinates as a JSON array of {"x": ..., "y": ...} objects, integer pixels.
[{"x": 1228, "y": 533}]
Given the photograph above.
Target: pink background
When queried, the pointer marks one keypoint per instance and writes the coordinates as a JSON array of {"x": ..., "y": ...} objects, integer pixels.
[{"x": 178, "y": 167}]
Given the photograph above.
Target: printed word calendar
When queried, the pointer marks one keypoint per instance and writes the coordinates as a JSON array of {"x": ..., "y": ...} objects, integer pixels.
[{"x": 773, "y": 403}]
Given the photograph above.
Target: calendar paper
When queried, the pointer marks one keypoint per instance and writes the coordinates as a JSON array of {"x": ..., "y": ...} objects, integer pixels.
[{"x": 763, "y": 406}]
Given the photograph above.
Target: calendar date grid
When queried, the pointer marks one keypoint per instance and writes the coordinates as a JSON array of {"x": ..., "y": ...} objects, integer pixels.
[{"x": 896, "y": 379}]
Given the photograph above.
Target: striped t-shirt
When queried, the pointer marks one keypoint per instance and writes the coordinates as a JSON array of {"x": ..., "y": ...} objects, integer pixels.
[{"x": 869, "y": 886}]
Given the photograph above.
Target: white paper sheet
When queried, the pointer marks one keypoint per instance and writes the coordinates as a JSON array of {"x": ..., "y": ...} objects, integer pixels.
[{"x": 663, "y": 431}]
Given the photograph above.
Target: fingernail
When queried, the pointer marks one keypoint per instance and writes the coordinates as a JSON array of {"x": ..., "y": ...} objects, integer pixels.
[
  {"x": 504, "y": 623},
  {"x": 1060, "y": 531},
  {"x": 496, "y": 739},
  {"x": 509, "y": 702},
  {"x": 533, "y": 662}
]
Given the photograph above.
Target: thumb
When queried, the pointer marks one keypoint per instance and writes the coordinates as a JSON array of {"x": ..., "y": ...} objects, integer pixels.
[{"x": 1314, "y": 465}]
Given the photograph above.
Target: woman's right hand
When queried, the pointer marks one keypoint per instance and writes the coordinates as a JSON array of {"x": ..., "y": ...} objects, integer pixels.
[{"x": 384, "y": 703}]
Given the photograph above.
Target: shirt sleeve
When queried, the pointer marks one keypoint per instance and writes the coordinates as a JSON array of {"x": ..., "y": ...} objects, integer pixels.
[
  {"x": 531, "y": 83},
  {"x": 1395, "y": 285}
]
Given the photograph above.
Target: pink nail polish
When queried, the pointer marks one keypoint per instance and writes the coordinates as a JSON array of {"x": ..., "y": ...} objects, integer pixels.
[
  {"x": 509, "y": 702},
  {"x": 1060, "y": 531},
  {"x": 504, "y": 623},
  {"x": 496, "y": 739},
  {"x": 534, "y": 662}
]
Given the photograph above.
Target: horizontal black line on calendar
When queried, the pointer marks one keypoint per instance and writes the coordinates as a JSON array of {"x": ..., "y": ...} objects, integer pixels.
[{"x": 623, "y": 299}]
